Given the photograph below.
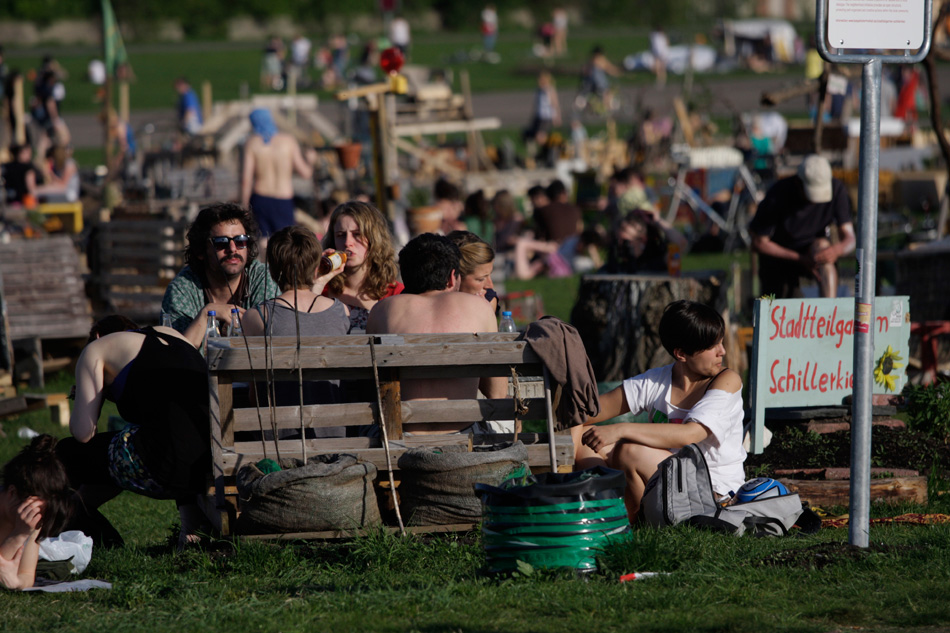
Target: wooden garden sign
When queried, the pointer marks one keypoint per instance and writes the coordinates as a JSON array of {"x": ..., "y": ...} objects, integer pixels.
[{"x": 802, "y": 354}]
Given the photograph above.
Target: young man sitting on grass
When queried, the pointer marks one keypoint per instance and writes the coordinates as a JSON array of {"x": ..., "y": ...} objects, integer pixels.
[{"x": 694, "y": 400}]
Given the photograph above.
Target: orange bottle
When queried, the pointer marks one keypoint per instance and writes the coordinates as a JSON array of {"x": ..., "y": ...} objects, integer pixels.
[{"x": 331, "y": 262}]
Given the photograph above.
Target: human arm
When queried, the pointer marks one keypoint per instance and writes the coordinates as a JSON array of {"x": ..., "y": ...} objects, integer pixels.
[
  {"x": 253, "y": 322},
  {"x": 303, "y": 166},
  {"x": 844, "y": 246},
  {"x": 184, "y": 302},
  {"x": 662, "y": 435},
  {"x": 247, "y": 170},
  {"x": 672, "y": 234},
  {"x": 90, "y": 382},
  {"x": 20, "y": 550},
  {"x": 763, "y": 244},
  {"x": 606, "y": 65}
]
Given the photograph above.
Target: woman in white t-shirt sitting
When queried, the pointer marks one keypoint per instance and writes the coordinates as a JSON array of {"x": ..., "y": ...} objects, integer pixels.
[{"x": 698, "y": 399}]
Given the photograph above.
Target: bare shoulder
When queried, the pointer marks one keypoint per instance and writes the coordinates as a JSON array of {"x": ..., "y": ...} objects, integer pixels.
[
  {"x": 729, "y": 381},
  {"x": 379, "y": 320}
]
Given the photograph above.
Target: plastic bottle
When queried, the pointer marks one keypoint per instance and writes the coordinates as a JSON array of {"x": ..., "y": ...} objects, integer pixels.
[
  {"x": 673, "y": 261},
  {"x": 166, "y": 319},
  {"x": 331, "y": 262},
  {"x": 234, "y": 328},
  {"x": 211, "y": 331},
  {"x": 507, "y": 324}
]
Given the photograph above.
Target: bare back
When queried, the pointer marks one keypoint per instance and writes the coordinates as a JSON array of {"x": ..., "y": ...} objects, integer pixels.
[
  {"x": 434, "y": 313},
  {"x": 273, "y": 165},
  {"x": 97, "y": 367}
]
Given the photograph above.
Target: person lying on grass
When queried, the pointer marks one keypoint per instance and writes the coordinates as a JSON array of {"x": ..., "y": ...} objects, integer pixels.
[
  {"x": 696, "y": 398},
  {"x": 34, "y": 504},
  {"x": 159, "y": 383}
]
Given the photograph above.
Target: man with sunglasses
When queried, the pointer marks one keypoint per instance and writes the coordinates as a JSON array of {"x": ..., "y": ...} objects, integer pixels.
[{"x": 221, "y": 271}]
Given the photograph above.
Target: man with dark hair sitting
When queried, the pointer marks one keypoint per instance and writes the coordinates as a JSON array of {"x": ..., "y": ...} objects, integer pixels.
[
  {"x": 221, "y": 271},
  {"x": 431, "y": 303}
]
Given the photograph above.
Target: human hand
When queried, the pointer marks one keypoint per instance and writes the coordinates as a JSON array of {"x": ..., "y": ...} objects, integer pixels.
[
  {"x": 599, "y": 438},
  {"x": 29, "y": 514},
  {"x": 827, "y": 255},
  {"x": 320, "y": 281}
]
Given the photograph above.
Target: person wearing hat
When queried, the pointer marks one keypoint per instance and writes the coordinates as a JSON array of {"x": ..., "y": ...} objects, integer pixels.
[
  {"x": 270, "y": 159},
  {"x": 791, "y": 230}
]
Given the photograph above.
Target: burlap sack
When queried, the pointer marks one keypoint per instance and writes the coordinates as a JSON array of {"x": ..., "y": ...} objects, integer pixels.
[
  {"x": 437, "y": 484},
  {"x": 330, "y": 492}
]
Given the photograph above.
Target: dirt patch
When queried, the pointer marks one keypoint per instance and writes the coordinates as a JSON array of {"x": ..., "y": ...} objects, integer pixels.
[
  {"x": 794, "y": 447},
  {"x": 824, "y": 554}
]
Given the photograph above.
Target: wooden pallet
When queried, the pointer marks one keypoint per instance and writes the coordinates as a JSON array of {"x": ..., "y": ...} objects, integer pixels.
[
  {"x": 132, "y": 262},
  {"x": 398, "y": 357}
]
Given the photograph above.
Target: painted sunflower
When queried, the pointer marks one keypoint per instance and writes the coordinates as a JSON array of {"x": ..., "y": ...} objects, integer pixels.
[{"x": 885, "y": 365}]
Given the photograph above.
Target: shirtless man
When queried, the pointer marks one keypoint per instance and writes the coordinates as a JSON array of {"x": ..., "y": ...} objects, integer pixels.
[
  {"x": 270, "y": 160},
  {"x": 431, "y": 303}
]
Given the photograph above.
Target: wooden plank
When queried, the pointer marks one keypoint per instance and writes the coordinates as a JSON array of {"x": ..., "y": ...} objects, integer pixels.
[
  {"x": 412, "y": 412},
  {"x": 446, "y": 127},
  {"x": 837, "y": 492},
  {"x": 314, "y": 416},
  {"x": 416, "y": 355},
  {"x": 390, "y": 404},
  {"x": 252, "y": 452},
  {"x": 13, "y": 406},
  {"x": 384, "y": 339}
]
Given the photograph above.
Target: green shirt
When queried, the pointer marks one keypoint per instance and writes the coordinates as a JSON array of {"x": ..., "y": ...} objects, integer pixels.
[{"x": 185, "y": 295}]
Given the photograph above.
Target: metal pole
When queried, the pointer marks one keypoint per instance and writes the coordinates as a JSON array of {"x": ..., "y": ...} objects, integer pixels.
[{"x": 866, "y": 256}]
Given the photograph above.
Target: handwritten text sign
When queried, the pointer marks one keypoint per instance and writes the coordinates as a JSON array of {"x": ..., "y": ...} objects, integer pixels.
[
  {"x": 803, "y": 351},
  {"x": 874, "y": 24}
]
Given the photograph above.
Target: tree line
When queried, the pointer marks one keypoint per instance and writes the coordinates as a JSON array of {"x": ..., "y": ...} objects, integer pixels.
[{"x": 207, "y": 18}]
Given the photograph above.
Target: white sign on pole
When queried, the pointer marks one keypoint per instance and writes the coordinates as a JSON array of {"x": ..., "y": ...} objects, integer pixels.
[{"x": 876, "y": 24}]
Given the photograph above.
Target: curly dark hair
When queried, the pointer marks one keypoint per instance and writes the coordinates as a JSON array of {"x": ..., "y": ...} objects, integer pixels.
[
  {"x": 200, "y": 231},
  {"x": 36, "y": 471}
]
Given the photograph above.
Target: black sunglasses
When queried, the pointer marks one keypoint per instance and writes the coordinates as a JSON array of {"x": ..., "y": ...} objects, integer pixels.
[{"x": 221, "y": 241}]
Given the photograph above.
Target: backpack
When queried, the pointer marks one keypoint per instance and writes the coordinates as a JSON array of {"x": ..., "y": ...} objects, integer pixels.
[
  {"x": 679, "y": 489},
  {"x": 681, "y": 492}
]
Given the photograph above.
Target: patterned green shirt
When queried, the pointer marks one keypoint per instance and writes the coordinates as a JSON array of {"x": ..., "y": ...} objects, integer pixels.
[{"x": 185, "y": 295}]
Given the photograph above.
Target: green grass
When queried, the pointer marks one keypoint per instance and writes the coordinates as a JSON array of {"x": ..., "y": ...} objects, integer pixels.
[
  {"x": 384, "y": 583},
  {"x": 229, "y": 65}
]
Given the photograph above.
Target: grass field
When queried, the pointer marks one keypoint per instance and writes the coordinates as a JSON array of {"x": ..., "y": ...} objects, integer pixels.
[
  {"x": 384, "y": 583},
  {"x": 229, "y": 65}
]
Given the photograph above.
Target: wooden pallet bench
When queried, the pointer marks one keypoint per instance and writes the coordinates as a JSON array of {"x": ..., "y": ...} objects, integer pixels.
[
  {"x": 42, "y": 297},
  {"x": 397, "y": 357},
  {"x": 132, "y": 262}
]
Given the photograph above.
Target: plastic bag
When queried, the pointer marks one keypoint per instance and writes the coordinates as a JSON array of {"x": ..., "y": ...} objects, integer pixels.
[{"x": 72, "y": 543}]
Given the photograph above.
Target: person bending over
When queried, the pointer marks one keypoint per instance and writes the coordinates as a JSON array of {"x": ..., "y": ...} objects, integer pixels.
[
  {"x": 34, "y": 504},
  {"x": 694, "y": 400},
  {"x": 159, "y": 382}
]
